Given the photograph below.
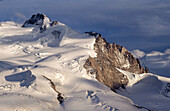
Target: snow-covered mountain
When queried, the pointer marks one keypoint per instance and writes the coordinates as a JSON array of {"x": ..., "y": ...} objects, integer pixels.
[{"x": 44, "y": 67}]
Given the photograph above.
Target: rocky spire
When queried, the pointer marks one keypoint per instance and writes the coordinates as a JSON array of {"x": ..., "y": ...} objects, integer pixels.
[
  {"x": 109, "y": 57},
  {"x": 41, "y": 21},
  {"x": 37, "y": 19}
]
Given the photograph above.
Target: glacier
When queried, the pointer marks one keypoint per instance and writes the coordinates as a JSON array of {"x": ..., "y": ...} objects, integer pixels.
[{"x": 29, "y": 57}]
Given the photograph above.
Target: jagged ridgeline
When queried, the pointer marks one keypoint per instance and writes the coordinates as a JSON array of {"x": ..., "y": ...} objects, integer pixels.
[
  {"x": 109, "y": 58},
  {"x": 40, "y": 20}
]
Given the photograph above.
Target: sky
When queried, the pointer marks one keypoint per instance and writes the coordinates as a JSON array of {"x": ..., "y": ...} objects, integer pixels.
[{"x": 135, "y": 24}]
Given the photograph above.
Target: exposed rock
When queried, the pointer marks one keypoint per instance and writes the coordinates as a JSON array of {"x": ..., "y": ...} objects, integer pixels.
[
  {"x": 141, "y": 107},
  {"x": 165, "y": 90},
  {"x": 95, "y": 34},
  {"x": 41, "y": 21},
  {"x": 0, "y": 25},
  {"x": 109, "y": 57},
  {"x": 43, "y": 28},
  {"x": 54, "y": 23},
  {"x": 146, "y": 70},
  {"x": 38, "y": 19},
  {"x": 60, "y": 98},
  {"x": 56, "y": 34}
]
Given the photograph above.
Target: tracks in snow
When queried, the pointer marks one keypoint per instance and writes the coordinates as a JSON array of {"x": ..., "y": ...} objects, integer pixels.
[{"x": 92, "y": 96}]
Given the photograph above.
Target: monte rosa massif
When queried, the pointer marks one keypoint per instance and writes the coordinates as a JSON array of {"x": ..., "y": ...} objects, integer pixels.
[{"x": 47, "y": 66}]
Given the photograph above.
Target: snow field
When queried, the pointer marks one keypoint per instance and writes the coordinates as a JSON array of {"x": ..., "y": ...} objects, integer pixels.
[
  {"x": 29, "y": 56},
  {"x": 33, "y": 64}
]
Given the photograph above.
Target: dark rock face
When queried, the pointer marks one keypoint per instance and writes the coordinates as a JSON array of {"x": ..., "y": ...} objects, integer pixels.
[
  {"x": 40, "y": 20},
  {"x": 37, "y": 19},
  {"x": 43, "y": 28},
  {"x": 166, "y": 90},
  {"x": 60, "y": 98},
  {"x": 109, "y": 57},
  {"x": 95, "y": 34},
  {"x": 56, "y": 34},
  {"x": 0, "y": 25},
  {"x": 54, "y": 23}
]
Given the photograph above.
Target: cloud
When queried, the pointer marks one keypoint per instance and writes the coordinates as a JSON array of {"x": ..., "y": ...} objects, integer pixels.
[
  {"x": 137, "y": 53},
  {"x": 20, "y": 15},
  {"x": 167, "y": 51}
]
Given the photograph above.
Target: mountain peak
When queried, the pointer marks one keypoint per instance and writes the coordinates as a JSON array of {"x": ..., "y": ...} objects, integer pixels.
[
  {"x": 37, "y": 19},
  {"x": 48, "y": 66},
  {"x": 109, "y": 58}
]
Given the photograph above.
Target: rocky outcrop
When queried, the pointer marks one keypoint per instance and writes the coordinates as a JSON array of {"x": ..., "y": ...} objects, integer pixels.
[
  {"x": 56, "y": 34},
  {"x": 54, "y": 23},
  {"x": 95, "y": 34},
  {"x": 60, "y": 97},
  {"x": 109, "y": 57},
  {"x": 0, "y": 25},
  {"x": 165, "y": 90},
  {"x": 41, "y": 21},
  {"x": 37, "y": 19}
]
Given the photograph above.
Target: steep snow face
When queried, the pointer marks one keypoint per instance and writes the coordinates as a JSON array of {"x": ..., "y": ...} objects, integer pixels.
[{"x": 36, "y": 67}]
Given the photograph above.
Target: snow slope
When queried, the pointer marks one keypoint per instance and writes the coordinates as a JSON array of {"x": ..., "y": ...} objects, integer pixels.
[
  {"x": 35, "y": 67},
  {"x": 148, "y": 90}
]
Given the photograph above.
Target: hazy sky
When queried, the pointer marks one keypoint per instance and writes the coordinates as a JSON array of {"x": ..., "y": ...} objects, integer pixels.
[{"x": 135, "y": 24}]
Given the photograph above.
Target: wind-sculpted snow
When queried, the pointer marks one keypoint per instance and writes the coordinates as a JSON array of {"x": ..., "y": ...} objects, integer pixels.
[
  {"x": 25, "y": 78},
  {"x": 34, "y": 63},
  {"x": 5, "y": 65}
]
